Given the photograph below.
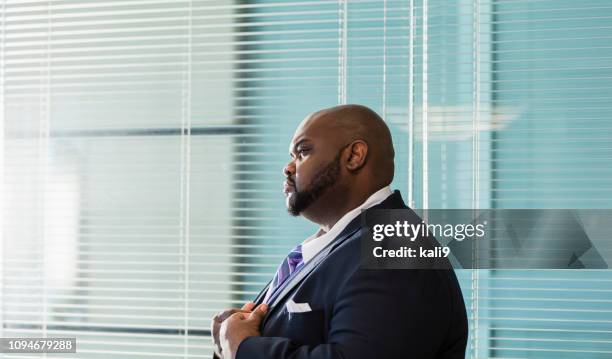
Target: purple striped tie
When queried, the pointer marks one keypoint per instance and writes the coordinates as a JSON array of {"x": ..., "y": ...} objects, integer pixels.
[{"x": 285, "y": 270}]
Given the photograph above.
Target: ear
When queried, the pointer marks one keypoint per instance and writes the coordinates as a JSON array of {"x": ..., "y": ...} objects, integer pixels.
[{"x": 358, "y": 151}]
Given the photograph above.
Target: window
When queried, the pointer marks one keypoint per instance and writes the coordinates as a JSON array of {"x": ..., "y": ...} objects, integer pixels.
[{"x": 142, "y": 142}]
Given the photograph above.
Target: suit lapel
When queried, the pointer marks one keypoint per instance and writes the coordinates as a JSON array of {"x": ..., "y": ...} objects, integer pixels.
[
  {"x": 260, "y": 297},
  {"x": 308, "y": 267},
  {"x": 393, "y": 201},
  {"x": 280, "y": 296}
]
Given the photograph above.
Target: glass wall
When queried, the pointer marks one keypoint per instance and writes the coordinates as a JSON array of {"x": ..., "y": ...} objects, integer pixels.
[{"x": 142, "y": 145}]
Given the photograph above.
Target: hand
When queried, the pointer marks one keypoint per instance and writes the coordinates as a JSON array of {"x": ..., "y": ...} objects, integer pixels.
[
  {"x": 215, "y": 324},
  {"x": 238, "y": 327}
]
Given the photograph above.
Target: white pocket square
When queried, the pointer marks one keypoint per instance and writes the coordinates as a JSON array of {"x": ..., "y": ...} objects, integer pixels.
[{"x": 293, "y": 307}]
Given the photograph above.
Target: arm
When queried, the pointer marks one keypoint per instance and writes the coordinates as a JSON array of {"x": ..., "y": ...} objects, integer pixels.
[{"x": 378, "y": 314}]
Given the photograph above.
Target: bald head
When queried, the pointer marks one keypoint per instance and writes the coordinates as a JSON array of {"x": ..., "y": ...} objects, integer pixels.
[
  {"x": 356, "y": 122},
  {"x": 339, "y": 157}
]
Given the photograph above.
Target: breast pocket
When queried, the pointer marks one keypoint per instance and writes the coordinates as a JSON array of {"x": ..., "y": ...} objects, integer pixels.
[{"x": 307, "y": 328}]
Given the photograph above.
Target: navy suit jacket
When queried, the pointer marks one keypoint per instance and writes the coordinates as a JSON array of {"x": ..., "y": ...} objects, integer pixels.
[{"x": 358, "y": 313}]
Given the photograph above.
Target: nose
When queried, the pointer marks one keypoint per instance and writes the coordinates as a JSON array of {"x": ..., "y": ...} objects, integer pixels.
[{"x": 289, "y": 169}]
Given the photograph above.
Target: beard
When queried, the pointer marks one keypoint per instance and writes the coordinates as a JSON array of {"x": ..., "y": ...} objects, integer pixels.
[{"x": 324, "y": 179}]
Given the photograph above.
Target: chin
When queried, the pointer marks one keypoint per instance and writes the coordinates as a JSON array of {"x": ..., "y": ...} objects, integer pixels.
[
  {"x": 291, "y": 206},
  {"x": 288, "y": 200},
  {"x": 292, "y": 211}
]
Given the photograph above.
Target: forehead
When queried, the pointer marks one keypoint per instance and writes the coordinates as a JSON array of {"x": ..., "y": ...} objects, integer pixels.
[{"x": 312, "y": 128}]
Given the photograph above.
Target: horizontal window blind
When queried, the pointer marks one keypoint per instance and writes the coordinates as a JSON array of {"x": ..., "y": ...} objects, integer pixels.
[
  {"x": 143, "y": 142},
  {"x": 143, "y": 145},
  {"x": 553, "y": 64},
  {"x": 119, "y": 134},
  {"x": 511, "y": 103}
]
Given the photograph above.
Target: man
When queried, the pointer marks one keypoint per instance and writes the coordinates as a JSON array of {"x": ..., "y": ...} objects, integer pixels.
[{"x": 320, "y": 303}]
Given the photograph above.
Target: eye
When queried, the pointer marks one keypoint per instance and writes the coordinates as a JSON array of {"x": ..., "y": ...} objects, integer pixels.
[{"x": 302, "y": 151}]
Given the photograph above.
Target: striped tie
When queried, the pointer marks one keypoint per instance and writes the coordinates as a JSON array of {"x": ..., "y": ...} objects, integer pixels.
[{"x": 285, "y": 270}]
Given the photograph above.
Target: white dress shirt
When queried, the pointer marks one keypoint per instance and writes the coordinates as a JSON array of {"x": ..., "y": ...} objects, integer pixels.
[{"x": 315, "y": 243}]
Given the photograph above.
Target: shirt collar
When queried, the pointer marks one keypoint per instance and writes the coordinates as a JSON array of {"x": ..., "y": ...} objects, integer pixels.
[{"x": 316, "y": 242}]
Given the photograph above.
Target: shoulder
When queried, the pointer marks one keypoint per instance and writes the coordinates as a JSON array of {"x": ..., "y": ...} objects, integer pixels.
[{"x": 345, "y": 263}]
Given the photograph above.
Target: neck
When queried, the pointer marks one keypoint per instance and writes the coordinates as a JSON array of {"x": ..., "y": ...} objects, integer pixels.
[{"x": 326, "y": 213}]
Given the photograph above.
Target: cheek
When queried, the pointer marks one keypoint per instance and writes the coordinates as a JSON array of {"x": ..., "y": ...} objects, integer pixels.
[{"x": 303, "y": 173}]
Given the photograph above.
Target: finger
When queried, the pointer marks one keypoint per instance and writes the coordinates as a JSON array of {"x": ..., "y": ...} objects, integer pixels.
[
  {"x": 229, "y": 312},
  {"x": 259, "y": 313},
  {"x": 248, "y": 306},
  {"x": 239, "y": 316}
]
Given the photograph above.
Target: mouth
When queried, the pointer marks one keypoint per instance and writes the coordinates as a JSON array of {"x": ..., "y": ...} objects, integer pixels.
[{"x": 288, "y": 187}]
